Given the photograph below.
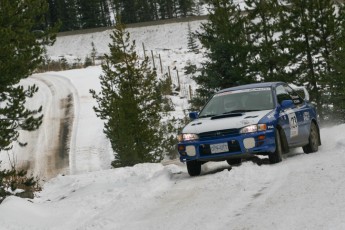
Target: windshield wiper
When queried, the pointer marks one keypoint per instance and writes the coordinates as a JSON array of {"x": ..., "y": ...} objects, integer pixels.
[
  {"x": 209, "y": 115},
  {"x": 241, "y": 111},
  {"x": 233, "y": 112}
]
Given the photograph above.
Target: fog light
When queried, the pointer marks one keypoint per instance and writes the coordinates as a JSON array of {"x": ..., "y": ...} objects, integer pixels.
[
  {"x": 261, "y": 137},
  {"x": 190, "y": 150},
  {"x": 249, "y": 143},
  {"x": 181, "y": 148}
]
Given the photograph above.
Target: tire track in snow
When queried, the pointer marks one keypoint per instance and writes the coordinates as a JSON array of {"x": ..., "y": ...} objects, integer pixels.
[
  {"x": 228, "y": 193},
  {"x": 52, "y": 145}
]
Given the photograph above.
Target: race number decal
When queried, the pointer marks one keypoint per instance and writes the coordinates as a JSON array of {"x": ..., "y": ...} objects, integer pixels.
[
  {"x": 306, "y": 116},
  {"x": 293, "y": 124}
]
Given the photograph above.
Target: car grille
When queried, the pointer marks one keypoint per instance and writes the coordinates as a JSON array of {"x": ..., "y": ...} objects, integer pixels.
[
  {"x": 205, "y": 149},
  {"x": 218, "y": 134}
]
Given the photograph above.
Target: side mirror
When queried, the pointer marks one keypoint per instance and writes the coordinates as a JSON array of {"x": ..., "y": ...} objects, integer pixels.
[
  {"x": 306, "y": 94},
  {"x": 193, "y": 115},
  {"x": 287, "y": 104},
  {"x": 303, "y": 92}
]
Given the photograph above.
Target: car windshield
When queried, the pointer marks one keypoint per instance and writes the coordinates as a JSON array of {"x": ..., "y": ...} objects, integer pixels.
[{"x": 238, "y": 101}]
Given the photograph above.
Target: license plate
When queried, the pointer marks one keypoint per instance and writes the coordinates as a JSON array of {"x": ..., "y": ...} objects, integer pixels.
[{"x": 219, "y": 148}]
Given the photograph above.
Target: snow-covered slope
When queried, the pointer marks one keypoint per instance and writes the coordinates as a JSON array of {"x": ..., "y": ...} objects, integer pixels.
[
  {"x": 302, "y": 192},
  {"x": 172, "y": 36}
]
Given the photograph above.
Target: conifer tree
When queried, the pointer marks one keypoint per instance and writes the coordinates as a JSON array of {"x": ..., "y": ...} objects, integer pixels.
[
  {"x": 191, "y": 38},
  {"x": 144, "y": 11},
  {"x": 311, "y": 40},
  {"x": 154, "y": 9},
  {"x": 185, "y": 7},
  {"x": 64, "y": 12},
  {"x": 268, "y": 57},
  {"x": 336, "y": 78},
  {"x": 94, "y": 13},
  {"x": 93, "y": 53},
  {"x": 128, "y": 11},
  {"x": 225, "y": 39},
  {"x": 105, "y": 13},
  {"x": 167, "y": 8},
  {"x": 22, "y": 38},
  {"x": 130, "y": 103}
]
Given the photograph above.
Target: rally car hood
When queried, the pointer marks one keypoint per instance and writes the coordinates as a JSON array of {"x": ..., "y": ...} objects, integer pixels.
[{"x": 202, "y": 125}]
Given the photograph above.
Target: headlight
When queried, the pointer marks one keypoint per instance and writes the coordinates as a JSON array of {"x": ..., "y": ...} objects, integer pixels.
[
  {"x": 187, "y": 137},
  {"x": 253, "y": 128}
]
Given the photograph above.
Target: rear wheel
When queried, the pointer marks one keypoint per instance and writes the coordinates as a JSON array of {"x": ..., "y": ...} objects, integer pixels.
[
  {"x": 313, "y": 145},
  {"x": 194, "y": 168},
  {"x": 276, "y": 156},
  {"x": 235, "y": 161}
]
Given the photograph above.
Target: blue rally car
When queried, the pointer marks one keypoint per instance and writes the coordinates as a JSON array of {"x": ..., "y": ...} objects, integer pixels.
[{"x": 255, "y": 119}]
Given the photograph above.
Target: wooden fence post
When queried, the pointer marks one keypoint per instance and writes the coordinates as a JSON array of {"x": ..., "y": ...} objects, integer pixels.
[
  {"x": 160, "y": 60},
  {"x": 178, "y": 80},
  {"x": 144, "y": 50},
  {"x": 169, "y": 74},
  {"x": 153, "y": 60},
  {"x": 190, "y": 92}
]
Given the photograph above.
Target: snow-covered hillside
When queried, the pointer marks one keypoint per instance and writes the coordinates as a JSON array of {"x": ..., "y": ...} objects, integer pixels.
[
  {"x": 302, "y": 192},
  {"x": 166, "y": 44}
]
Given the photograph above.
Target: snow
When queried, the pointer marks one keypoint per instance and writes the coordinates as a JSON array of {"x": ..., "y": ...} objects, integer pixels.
[
  {"x": 305, "y": 191},
  {"x": 302, "y": 192}
]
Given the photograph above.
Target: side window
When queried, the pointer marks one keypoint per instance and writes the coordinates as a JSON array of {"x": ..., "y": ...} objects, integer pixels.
[
  {"x": 282, "y": 94},
  {"x": 297, "y": 100}
]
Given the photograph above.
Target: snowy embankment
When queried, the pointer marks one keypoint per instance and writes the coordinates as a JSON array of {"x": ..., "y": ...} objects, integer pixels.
[
  {"x": 302, "y": 192},
  {"x": 70, "y": 139}
]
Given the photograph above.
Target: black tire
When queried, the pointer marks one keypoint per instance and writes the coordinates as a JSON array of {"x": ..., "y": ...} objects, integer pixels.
[
  {"x": 276, "y": 156},
  {"x": 313, "y": 145},
  {"x": 236, "y": 161},
  {"x": 194, "y": 168}
]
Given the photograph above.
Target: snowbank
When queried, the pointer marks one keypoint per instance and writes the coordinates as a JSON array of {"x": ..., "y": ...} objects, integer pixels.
[{"x": 302, "y": 192}]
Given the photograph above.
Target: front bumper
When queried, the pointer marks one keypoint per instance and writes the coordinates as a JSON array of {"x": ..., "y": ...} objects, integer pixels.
[{"x": 239, "y": 146}]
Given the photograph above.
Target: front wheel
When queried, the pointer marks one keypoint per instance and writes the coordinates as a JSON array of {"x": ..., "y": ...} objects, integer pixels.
[
  {"x": 313, "y": 145},
  {"x": 194, "y": 168},
  {"x": 276, "y": 156}
]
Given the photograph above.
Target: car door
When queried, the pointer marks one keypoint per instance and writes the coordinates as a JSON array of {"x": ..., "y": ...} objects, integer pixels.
[
  {"x": 302, "y": 115},
  {"x": 288, "y": 117}
]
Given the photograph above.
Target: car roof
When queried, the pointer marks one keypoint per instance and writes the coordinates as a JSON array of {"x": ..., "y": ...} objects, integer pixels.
[{"x": 251, "y": 86}]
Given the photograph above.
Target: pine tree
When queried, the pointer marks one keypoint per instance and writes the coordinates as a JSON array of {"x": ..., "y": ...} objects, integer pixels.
[
  {"x": 92, "y": 13},
  {"x": 144, "y": 11},
  {"x": 225, "y": 39},
  {"x": 128, "y": 11},
  {"x": 66, "y": 13},
  {"x": 52, "y": 16},
  {"x": 268, "y": 58},
  {"x": 154, "y": 9},
  {"x": 93, "y": 53},
  {"x": 336, "y": 79},
  {"x": 185, "y": 7},
  {"x": 130, "y": 104},
  {"x": 167, "y": 8},
  {"x": 105, "y": 13},
  {"x": 198, "y": 7},
  {"x": 23, "y": 36},
  {"x": 191, "y": 38},
  {"x": 311, "y": 39}
]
